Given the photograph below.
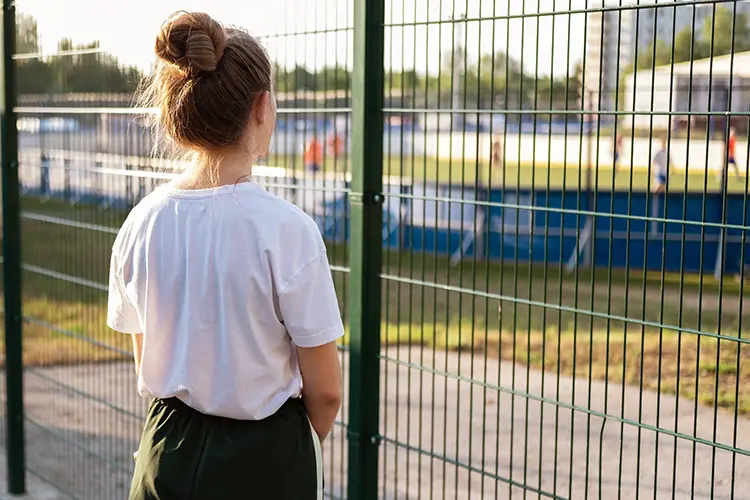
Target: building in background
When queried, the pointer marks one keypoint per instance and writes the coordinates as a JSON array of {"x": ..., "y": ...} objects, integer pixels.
[
  {"x": 714, "y": 84},
  {"x": 613, "y": 39},
  {"x": 609, "y": 51}
]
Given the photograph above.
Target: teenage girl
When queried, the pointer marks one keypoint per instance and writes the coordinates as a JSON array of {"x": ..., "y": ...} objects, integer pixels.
[{"x": 226, "y": 291}]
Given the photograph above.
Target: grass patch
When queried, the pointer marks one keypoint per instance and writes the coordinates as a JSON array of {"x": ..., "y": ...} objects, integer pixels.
[
  {"x": 514, "y": 174},
  {"x": 592, "y": 324}
]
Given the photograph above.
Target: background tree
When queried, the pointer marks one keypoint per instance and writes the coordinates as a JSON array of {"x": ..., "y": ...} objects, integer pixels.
[
  {"x": 33, "y": 75},
  {"x": 27, "y": 34},
  {"x": 689, "y": 45},
  {"x": 720, "y": 28},
  {"x": 648, "y": 57},
  {"x": 93, "y": 72},
  {"x": 494, "y": 80},
  {"x": 405, "y": 80},
  {"x": 334, "y": 78}
]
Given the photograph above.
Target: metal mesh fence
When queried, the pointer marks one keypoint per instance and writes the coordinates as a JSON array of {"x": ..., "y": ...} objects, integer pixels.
[
  {"x": 85, "y": 159},
  {"x": 564, "y": 287},
  {"x": 541, "y": 261}
]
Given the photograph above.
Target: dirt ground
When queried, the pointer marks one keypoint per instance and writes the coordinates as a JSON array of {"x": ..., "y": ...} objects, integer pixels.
[{"x": 81, "y": 438}]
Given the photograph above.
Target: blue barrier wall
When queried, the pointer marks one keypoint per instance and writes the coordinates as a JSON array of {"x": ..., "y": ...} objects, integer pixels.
[
  {"x": 634, "y": 230},
  {"x": 631, "y": 229}
]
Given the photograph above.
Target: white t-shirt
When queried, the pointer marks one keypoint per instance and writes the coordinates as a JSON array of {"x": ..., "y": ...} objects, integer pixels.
[{"x": 223, "y": 283}]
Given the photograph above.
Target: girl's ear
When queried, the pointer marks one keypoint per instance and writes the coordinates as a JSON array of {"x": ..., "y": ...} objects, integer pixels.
[{"x": 262, "y": 108}]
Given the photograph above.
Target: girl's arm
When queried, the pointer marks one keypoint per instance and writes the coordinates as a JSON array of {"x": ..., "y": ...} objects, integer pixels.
[
  {"x": 137, "y": 351},
  {"x": 321, "y": 385}
]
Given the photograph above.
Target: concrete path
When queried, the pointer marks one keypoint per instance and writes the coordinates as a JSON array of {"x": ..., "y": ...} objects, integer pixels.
[
  {"x": 84, "y": 444},
  {"x": 36, "y": 489}
]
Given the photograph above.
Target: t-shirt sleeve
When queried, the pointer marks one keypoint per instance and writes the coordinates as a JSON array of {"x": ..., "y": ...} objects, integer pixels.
[
  {"x": 309, "y": 306},
  {"x": 121, "y": 315}
]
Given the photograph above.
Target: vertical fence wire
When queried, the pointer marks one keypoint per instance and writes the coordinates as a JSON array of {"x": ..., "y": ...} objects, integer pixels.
[
  {"x": 14, "y": 427},
  {"x": 85, "y": 160},
  {"x": 591, "y": 157},
  {"x": 536, "y": 215}
]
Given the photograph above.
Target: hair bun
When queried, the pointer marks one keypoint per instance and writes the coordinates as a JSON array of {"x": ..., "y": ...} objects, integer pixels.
[{"x": 194, "y": 41}]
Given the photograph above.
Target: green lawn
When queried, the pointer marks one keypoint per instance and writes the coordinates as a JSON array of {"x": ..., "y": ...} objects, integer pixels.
[
  {"x": 541, "y": 176},
  {"x": 492, "y": 309}
]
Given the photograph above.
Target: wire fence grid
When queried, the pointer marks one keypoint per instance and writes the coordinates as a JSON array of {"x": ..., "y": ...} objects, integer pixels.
[{"x": 536, "y": 306}]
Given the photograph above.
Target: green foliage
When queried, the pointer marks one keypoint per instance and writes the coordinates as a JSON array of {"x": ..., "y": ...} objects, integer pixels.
[
  {"x": 662, "y": 55},
  {"x": 300, "y": 78},
  {"x": 688, "y": 46},
  {"x": 493, "y": 80},
  {"x": 721, "y": 27},
  {"x": 97, "y": 72},
  {"x": 407, "y": 80},
  {"x": 27, "y": 34},
  {"x": 714, "y": 37}
]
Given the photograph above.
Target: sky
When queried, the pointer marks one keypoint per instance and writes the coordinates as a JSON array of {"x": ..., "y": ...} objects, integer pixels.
[{"x": 127, "y": 29}]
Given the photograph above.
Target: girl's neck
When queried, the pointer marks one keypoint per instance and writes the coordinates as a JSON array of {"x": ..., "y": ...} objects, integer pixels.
[{"x": 206, "y": 174}]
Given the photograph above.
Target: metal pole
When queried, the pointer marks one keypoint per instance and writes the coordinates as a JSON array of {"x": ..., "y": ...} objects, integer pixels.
[
  {"x": 366, "y": 249},
  {"x": 588, "y": 257},
  {"x": 459, "y": 56},
  {"x": 720, "y": 248},
  {"x": 12, "y": 262}
]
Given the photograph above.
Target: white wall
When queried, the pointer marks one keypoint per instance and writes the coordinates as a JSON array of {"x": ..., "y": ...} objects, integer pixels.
[
  {"x": 662, "y": 96},
  {"x": 652, "y": 93}
]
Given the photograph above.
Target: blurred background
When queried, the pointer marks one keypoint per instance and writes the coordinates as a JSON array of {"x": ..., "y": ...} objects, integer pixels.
[{"x": 564, "y": 235}]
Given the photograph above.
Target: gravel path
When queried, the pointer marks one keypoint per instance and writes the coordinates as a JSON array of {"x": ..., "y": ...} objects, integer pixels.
[{"x": 83, "y": 444}]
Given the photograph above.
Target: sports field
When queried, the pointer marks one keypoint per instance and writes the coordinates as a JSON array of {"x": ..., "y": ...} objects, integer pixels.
[
  {"x": 596, "y": 324},
  {"x": 524, "y": 175}
]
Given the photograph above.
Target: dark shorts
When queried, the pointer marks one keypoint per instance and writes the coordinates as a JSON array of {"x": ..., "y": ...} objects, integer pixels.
[
  {"x": 313, "y": 167},
  {"x": 731, "y": 161},
  {"x": 660, "y": 180},
  {"x": 187, "y": 455}
]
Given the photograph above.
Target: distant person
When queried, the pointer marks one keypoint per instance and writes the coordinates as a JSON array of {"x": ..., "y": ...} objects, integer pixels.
[
  {"x": 497, "y": 151},
  {"x": 676, "y": 123},
  {"x": 335, "y": 145},
  {"x": 226, "y": 290},
  {"x": 731, "y": 153},
  {"x": 314, "y": 155},
  {"x": 616, "y": 148},
  {"x": 660, "y": 168}
]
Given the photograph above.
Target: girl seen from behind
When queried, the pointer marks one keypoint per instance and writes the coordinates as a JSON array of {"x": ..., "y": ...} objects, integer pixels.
[{"x": 225, "y": 289}]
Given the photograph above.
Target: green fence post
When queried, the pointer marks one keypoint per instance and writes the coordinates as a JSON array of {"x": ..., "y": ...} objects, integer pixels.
[
  {"x": 366, "y": 248},
  {"x": 12, "y": 261}
]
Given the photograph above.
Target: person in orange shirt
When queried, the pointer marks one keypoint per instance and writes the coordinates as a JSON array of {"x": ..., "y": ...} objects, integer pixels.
[
  {"x": 314, "y": 155},
  {"x": 731, "y": 150},
  {"x": 335, "y": 145}
]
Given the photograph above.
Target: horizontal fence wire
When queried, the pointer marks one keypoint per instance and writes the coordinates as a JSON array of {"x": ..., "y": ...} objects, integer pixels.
[
  {"x": 590, "y": 8},
  {"x": 495, "y": 366},
  {"x": 86, "y": 157},
  {"x": 563, "y": 314}
]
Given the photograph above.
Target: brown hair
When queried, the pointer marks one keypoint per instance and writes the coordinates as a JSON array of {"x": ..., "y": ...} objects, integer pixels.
[{"x": 205, "y": 82}]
